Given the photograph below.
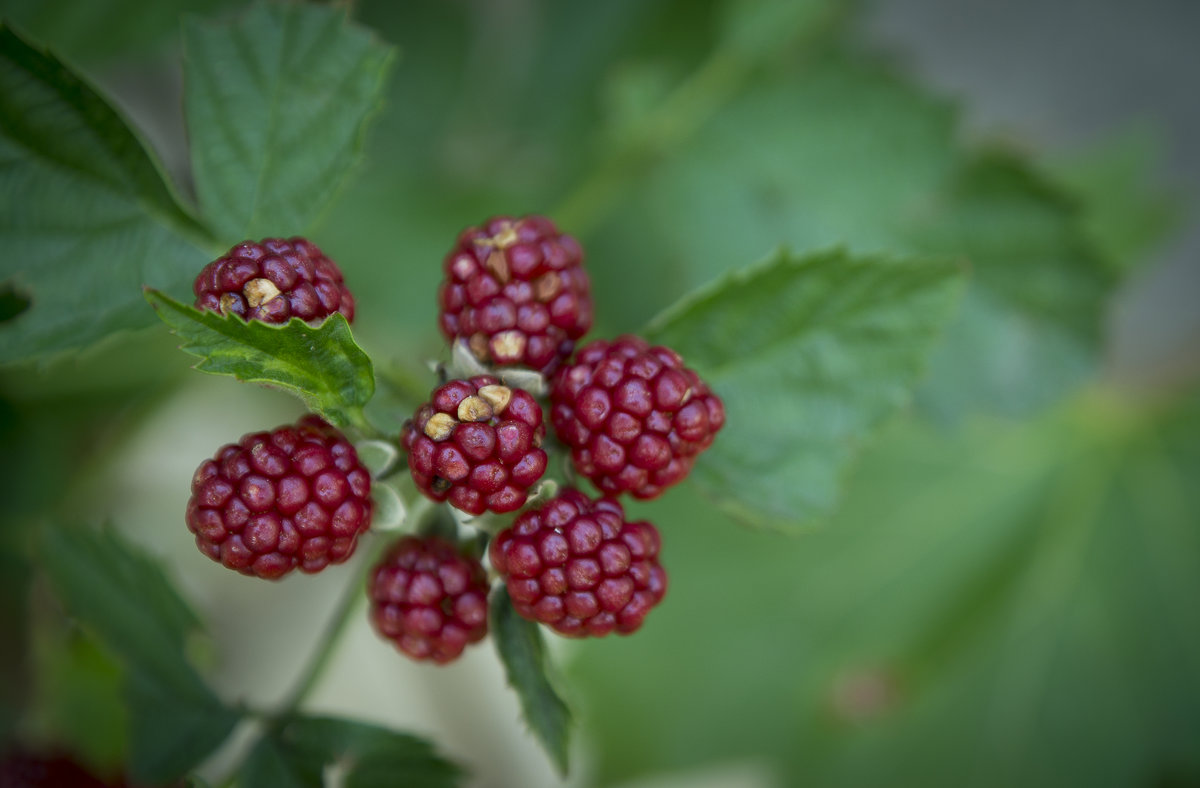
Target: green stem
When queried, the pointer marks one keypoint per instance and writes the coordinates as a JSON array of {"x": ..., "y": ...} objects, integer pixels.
[
  {"x": 327, "y": 644},
  {"x": 685, "y": 110}
]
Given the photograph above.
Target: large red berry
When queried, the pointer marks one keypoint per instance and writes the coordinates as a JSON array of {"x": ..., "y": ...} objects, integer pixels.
[
  {"x": 634, "y": 416},
  {"x": 516, "y": 291},
  {"x": 273, "y": 281},
  {"x": 476, "y": 444},
  {"x": 576, "y": 565},
  {"x": 428, "y": 599},
  {"x": 275, "y": 501}
]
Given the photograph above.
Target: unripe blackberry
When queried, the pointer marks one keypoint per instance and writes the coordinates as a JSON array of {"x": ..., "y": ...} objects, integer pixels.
[
  {"x": 516, "y": 291},
  {"x": 295, "y": 497},
  {"x": 634, "y": 416},
  {"x": 273, "y": 281},
  {"x": 476, "y": 444},
  {"x": 575, "y": 565},
  {"x": 428, "y": 599}
]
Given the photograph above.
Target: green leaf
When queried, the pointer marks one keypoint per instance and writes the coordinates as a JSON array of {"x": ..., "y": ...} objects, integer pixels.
[
  {"x": 1010, "y": 606},
  {"x": 124, "y": 597},
  {"x": 367, "y": 756},
  {"x": 322, "y": 365},
  {"x": 1031, "y": 328},
  {"x": 754, "y": 28},
  {"x": 810, "y": 354},
  {"x": 1125, "y": 213},
  {"x": 841, "y": 151},
  {"x": 277, "y": 104},
  {"x": 170, "y": 733},
  {"x": 88, "y": 217},
  {"x": 521, "y": 649}
]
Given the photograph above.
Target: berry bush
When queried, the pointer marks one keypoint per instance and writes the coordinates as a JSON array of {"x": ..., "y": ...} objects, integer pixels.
[{"x": 704, "y": 383}]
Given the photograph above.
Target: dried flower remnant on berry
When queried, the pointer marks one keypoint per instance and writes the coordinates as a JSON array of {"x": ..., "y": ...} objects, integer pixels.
[
  {"x": 273, "y": 281},
  {"x": 477, "y": 444},
  {"x": 516, "y": 292}
]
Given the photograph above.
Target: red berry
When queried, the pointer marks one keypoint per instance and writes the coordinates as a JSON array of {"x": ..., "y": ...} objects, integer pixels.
[
  {"x": 577, "y": 566},
  {"x": 274, "y": 281},
  {"x": 634, "y": 416},
  {"x": 476, "y": 444},
  {"x": 275, "y": 501},
  {"x": 516, "y": 291},
  {"x": 428, "y": 599}
]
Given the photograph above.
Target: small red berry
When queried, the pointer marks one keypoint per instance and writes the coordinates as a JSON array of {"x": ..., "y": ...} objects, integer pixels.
[
  {"x": 634, "y": 416},
  {"x": 477, "y": 444},
  {"x": 295, "y": 497},
  {"x": 273, "y": 281},
  {"x": 428, "y": 599},
  {"x": 516, "y": 291},
  {"x": 577, "y": 566}
]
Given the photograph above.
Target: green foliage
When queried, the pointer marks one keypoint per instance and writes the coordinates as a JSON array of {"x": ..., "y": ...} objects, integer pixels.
[
  {"x": 321, "y": 365},
  {"x": 521, "y": 649},
  {"x": 837, "y": 150},
  {"x": 1040, "y": 293},
  {"x": 810, "y": 355},
  {"x": 299, "y": 752},
  {"x": 277, "y": 104},
  {"x": 1124, "y": 213},
  {"x": 88, "y": 218},
  {"x": 1012, "y": 604},
  {"x": 124, "y": 597}
]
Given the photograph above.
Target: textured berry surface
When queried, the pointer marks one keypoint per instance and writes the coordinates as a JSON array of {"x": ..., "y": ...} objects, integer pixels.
[
  {"x": 577, "y": 566},
  {"x": 634, "y": 416},
  {"x": 273, "y": 281},
  {"x": 516, "y": 291},
  {"x": 476, "y": 444},
  {"x": 428, "y": 599},
  {"x": 275, "y": 501}
]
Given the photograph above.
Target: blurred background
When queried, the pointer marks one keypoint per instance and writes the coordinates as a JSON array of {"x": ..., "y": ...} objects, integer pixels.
[{"x": 1008, "y": 593}]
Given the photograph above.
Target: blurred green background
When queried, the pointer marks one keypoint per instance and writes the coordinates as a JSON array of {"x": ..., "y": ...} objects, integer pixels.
[{"x": 1009, "y": 593}]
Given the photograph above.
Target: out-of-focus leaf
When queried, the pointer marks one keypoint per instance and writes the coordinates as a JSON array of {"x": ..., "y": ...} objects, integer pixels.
[
  {"x": 125, "y": 598},
  {"x": 87, "y": 30},
  {"x": 322, "y": 365},
  {"x": 1124, "y": 214},
  {"x": 840, "y": 151},
  {"x": 366, "y": 756},
  {"x": 171, "y": 733},
  {"x": 277, "y": 104},
  {"x": 1031, "y": 329},
  {"x": 754, "y": 28},
  {"x": 88, "y": 219},
  {"x": 519, "y": 643},
  {"x": 1013, "y": 606},
  {"x": 77, "y": 699},
  {"x": 810, "y": 354}
]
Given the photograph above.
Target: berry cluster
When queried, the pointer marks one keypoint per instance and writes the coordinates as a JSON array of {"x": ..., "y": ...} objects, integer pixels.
[{"x": 632, "y": 417}]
